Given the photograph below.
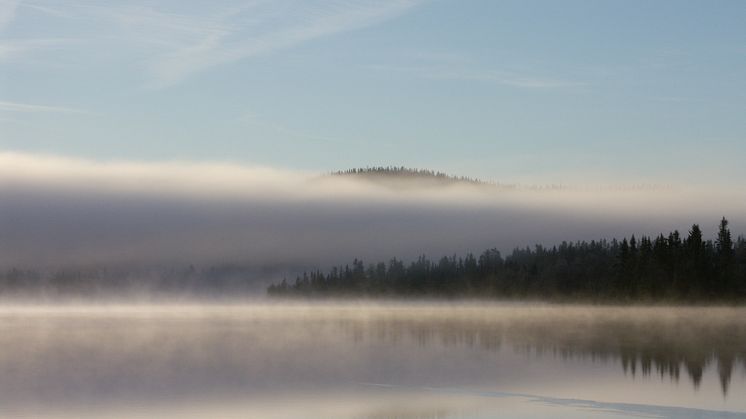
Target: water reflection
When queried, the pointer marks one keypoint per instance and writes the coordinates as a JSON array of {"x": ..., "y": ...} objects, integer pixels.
[
  {"x": 269, "y": 354},
  {"x": 643, "y": 340}
]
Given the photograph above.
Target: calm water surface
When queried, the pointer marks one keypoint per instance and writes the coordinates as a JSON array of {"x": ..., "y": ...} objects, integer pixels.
[{"x": 365, "y": 360}]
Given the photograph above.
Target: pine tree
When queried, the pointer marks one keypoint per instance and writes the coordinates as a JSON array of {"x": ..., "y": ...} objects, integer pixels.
[{"x": 725, "y": 254}]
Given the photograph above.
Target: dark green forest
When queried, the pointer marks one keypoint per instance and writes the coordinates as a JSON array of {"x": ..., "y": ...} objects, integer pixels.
[{"x": 666, "y": 267}]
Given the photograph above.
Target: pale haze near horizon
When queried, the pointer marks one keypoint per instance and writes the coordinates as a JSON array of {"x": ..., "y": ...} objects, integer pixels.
[{"x": 73, "y": 212}]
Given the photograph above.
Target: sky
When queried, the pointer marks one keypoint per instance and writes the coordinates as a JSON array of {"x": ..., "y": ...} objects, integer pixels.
[{"x": 540, "y": 92}]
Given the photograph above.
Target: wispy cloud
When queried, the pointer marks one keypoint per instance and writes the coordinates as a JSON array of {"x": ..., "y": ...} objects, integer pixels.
[
  {"x": 29, "y": 108},
  {"x": 7, "y": 12},
  {"x": 457, "y": 67},
  {"x": 148, "y": 26},
  {"x": 269, "y": 26},
  {"x": 504, "y": 78},
  {"x": 183, "y": 41},
  {"x": 52, "y": 11},
  {"x": 538, "y": 82},
  {"x": 11, "y": 48}
]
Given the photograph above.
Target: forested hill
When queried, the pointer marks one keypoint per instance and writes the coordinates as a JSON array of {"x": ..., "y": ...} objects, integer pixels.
[
  {"x": 661, "y": 268},
  {"x": 403, "y": 176}
]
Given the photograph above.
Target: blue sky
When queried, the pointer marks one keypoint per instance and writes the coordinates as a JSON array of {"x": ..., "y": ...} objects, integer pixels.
[{"x": 513, "y": 91}]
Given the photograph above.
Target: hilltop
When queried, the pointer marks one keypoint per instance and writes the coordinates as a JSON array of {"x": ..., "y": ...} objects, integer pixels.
[{"x": 405, "y": 176}]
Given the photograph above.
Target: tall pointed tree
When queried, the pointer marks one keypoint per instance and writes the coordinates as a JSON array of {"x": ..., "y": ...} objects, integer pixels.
[
  {"x": 725, "y": 254},
  {"x": 724, "y": 243}
]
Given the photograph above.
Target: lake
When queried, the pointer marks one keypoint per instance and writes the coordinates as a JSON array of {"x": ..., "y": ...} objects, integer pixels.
[{"x": 297, "y": 359}]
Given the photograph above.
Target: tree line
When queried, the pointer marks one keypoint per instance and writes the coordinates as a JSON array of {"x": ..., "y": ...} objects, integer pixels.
[
  {"x": 216, "y": 280},
  {"x": 660, "y": 268},
  {"x": 403, "y": 173}
]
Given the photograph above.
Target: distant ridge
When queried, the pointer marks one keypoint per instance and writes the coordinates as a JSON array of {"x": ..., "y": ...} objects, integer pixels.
[
  {"x": 407, "y": 177},
  {"x": 391, "y": 174}
]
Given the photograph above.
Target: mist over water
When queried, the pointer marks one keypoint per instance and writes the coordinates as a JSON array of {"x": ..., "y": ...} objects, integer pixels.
[
  {"x": 362, "y": 359},
  {"x": 332, "y": 359}
]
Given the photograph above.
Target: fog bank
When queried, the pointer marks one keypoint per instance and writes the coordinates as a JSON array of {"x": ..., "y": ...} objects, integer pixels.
[{"x": 66, "y": 212}]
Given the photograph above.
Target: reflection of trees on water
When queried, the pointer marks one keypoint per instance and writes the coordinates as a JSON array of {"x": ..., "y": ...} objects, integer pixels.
[
  {"x": 643, "y": 346},
  {"x": 161, "y": 353}
]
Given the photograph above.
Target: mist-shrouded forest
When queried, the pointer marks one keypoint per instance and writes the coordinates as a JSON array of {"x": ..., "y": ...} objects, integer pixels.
[
  {"x": 139, "y": 282},
  {"x": 402, "y": 176},
  {"x": 254, "y": 243},
  {"x": 672, "y": 267},
  {"x": 666, "y": 267}
]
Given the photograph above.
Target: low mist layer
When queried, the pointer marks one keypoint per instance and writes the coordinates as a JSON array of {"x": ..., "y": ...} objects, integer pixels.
[
  {"x": 78, "y": 360},
  {"x": 66, "y": 212}
]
